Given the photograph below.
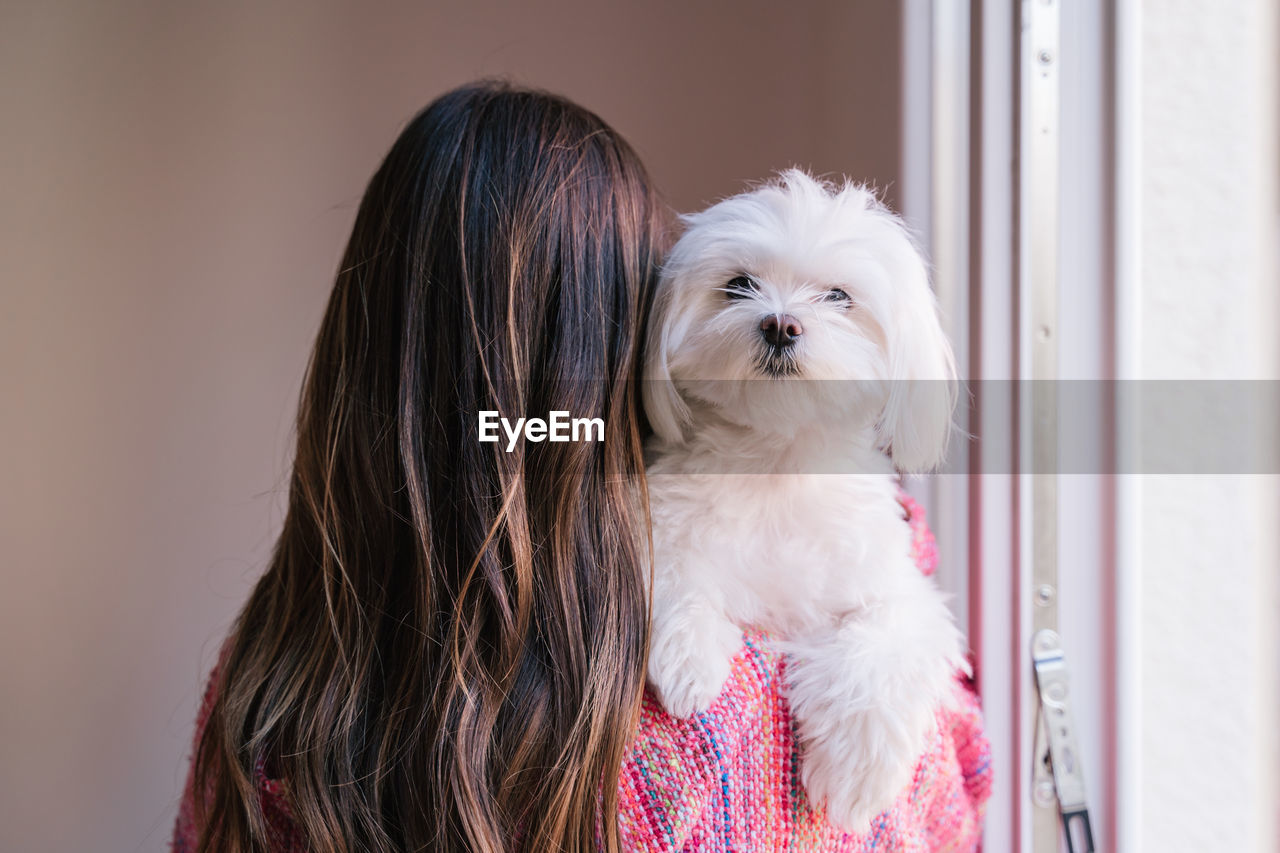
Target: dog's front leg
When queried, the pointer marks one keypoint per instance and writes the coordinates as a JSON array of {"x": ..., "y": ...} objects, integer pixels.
[
  {"x": 865, "y": 695},
  {"x": 691, "y": 650}
]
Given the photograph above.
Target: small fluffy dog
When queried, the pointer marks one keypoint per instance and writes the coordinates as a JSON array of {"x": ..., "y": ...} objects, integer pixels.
[{"x": 795, "y": 335}]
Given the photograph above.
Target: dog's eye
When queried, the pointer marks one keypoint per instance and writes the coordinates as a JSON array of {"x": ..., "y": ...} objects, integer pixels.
[
  {"x": 835, "y": 294},
  {"x": 739, "y": 287}
]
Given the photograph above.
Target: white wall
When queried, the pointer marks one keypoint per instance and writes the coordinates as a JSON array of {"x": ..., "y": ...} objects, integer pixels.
[{"x": 1208, "y": 310}]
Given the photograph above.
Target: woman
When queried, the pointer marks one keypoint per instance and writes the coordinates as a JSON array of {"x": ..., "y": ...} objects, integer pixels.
[{"x": 447, "y": 649}]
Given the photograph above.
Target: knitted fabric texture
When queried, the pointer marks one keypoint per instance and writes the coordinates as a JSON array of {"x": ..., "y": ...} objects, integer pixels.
[{"x": 729, "y": 778}]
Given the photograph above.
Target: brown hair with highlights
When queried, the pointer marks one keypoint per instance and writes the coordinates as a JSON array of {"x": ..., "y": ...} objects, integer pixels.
[{"x": 447, "y": 649}]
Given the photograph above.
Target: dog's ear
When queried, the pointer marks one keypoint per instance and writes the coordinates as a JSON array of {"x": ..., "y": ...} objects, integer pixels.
[
  {"x": 663, "y": 406},
  {"x": 917, "y": 418}
]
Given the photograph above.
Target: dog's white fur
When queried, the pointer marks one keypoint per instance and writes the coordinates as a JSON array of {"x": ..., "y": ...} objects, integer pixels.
[{"x": 749, "y": 530}]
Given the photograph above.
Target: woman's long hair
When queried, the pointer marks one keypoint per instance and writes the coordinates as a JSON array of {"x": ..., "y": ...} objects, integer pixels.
[{"x": 447, "y": 648}]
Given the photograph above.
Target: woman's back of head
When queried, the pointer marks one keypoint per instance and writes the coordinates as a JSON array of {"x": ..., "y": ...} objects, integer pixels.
[{"x": 447, "y": 649}]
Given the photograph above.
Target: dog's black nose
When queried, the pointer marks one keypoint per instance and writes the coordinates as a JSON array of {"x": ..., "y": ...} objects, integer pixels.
[{"x": 780, "y": 330}]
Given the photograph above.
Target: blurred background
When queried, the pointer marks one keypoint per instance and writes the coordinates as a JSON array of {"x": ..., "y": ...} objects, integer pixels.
[{"x": 177, "y": 182}]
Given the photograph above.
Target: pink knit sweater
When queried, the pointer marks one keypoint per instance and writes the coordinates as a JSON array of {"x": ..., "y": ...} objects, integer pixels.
[{"x": 728, "y": 779}]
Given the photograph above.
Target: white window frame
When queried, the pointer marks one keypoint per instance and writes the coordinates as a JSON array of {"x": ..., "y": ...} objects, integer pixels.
[{"x": 964, "y": 194}]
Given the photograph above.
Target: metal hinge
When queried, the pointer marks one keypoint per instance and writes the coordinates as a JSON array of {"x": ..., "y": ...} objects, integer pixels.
[{"x": 1058, "y": 777}]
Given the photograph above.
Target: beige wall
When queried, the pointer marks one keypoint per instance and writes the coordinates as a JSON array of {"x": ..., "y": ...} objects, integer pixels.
[{"x": 175, "y": 188}]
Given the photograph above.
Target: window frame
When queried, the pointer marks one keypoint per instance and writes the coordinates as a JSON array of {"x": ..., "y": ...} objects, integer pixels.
[{"x": 964, "y": 193}]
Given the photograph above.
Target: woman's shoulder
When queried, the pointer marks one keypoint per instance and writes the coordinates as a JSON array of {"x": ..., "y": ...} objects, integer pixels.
[
  {"x": 676, "y": 770},
  {"x": 729, "y": 777}
]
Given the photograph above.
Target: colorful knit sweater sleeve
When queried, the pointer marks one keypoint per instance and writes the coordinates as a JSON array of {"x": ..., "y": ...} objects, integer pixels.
[{"x": 728, "y": 779}]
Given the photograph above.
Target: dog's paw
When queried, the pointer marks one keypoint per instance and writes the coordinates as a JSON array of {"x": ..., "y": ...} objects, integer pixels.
[
  {"x": 859, "y": 765},
  {"x": 690, "y": 662}
]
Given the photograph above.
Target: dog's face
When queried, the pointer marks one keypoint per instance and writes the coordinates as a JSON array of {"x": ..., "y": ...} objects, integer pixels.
[{"x": 770, "y": 295}]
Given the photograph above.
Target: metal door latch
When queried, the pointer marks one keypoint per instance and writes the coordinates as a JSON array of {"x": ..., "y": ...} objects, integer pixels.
[{"x": 1058, "y": 775}]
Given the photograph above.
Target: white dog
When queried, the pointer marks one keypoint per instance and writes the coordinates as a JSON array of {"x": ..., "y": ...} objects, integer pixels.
[{"x": 773, "y": 489}]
